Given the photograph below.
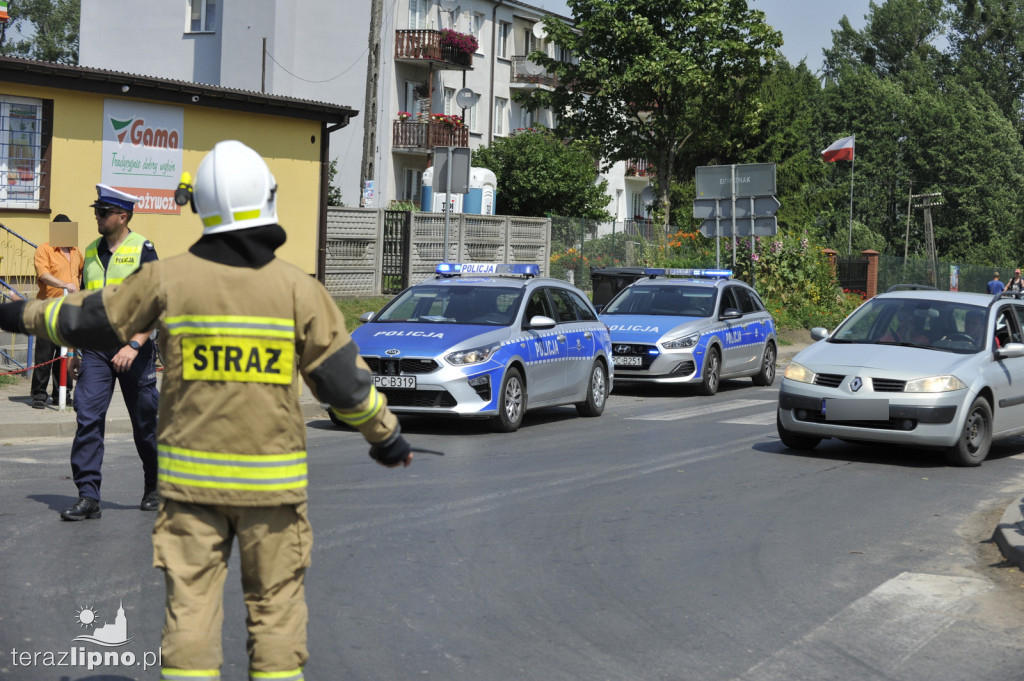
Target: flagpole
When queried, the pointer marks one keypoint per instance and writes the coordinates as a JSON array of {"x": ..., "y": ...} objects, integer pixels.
[{"x": 853, "y": 162}]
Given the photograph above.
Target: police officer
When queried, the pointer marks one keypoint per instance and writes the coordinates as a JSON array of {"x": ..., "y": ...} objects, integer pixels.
[
  {"x": 117, "y": 253},
  {"x": 232, "y": 439}
]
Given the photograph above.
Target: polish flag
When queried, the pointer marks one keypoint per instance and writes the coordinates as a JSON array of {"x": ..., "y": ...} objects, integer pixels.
[{"x": 840, "y": 150}]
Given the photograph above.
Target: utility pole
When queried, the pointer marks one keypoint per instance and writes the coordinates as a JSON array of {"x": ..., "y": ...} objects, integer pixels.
[
  {"x": 928, "y": 202},
  {"x": 366, "y": 169}
]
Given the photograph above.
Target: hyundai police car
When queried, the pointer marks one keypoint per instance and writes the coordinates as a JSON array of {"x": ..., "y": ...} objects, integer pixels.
[
  {"x": 690, "y": 326},
  {"x": 488, "y": 340}
]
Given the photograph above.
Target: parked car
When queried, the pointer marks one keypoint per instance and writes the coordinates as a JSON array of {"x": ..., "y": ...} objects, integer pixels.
[
  {"x": 488, "y": 341},
  {"x": 690, "y": 327},
  {"x": 921, "y": 368}
]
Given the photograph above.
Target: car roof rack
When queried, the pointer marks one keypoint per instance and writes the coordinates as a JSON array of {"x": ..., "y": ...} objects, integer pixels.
[{"x": 445, "y": 270}]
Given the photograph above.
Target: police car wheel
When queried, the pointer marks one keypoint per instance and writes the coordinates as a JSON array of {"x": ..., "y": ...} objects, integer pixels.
[
  {"x": 712, "y": 366},
  {"x": 792, "y": 440},
  {"x": 597, "y": 392},
  {"x": 511, "y": 403},
  {"x": 766, "y": 376}
]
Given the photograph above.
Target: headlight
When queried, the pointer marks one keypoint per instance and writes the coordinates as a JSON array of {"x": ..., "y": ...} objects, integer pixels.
[
  {"x": 686, "y": 342},
  {"x": 799, "y": 373},
  {"x": 934, "y": 384},
  {"x": 474, "y": 356}
]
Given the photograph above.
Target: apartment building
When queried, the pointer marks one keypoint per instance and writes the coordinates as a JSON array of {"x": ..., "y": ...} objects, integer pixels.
[{"x": 320, "y": 50}]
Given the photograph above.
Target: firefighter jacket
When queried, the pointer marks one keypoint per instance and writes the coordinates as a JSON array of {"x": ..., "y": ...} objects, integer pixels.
[
  {"x": 234, "y": 341},
  {"x": 123, "y": 262}
]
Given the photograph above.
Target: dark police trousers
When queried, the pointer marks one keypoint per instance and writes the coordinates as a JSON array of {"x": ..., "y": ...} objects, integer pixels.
[{"x": 96, "y": 377}]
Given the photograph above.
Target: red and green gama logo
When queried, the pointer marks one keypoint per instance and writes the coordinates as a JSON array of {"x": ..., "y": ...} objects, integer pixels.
[{"x": 139, "y": 134}]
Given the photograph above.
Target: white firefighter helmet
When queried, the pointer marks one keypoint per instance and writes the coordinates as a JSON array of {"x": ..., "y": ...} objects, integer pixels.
[{"x": 234, "y": 189}]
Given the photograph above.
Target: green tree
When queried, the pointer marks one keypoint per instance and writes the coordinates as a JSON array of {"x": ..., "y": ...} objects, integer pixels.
[
  {"x": 539, "y": 174},
  {"x": 333, "y": 191},
  {"x": 49, "y": 30},
  {"x": 655, "y": 78}
]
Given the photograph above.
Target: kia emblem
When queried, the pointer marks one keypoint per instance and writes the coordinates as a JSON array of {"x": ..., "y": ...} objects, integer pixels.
[{"x": 855, "y": 384}]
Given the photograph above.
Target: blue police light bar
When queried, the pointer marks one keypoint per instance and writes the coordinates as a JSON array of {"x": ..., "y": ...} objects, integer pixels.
[
  {"x": 521, "y": 269},
  {"x": 680, "y": 272}
]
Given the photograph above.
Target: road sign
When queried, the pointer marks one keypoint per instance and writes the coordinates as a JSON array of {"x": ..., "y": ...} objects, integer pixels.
[
  {"x": 763, "y": 226},
  {"x": 764, "y": 206},
  {"x": 752, "y": 179},
  {"x": 461, "y": 161}
]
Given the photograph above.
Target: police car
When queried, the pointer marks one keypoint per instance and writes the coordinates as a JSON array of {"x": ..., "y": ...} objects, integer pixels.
[
  {"x": 690, "y": 326},
  {"x": 490, "y": 341}
]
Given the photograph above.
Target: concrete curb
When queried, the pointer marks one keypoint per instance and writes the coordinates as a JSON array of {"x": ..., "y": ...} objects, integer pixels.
[{"x": 1009, "y": 534}]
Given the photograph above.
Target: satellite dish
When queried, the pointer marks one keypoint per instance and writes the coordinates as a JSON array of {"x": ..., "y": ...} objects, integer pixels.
[
  {"x": 647, "y": 195},
  {"x": 466, "y": 98},
  {"x": 532, "y": 67},
  {"x": 539, "y": 32},
  {"x": 447, "y": 6}
]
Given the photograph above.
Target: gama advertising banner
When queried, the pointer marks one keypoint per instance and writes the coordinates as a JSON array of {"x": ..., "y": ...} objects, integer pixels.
[{"x": 142, "y": 152}]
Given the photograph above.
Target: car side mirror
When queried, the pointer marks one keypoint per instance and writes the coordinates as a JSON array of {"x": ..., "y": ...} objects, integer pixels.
[
  {"x": 367, "y": 316},
  {"x": 1010, "y": 351},
  {"x": 819, "y": 333},
  {"x": 731, "y": 313},
  {"x": 540, "y": 322}
]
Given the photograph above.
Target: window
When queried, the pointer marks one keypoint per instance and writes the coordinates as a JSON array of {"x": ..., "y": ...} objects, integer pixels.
[
  {"x": 500, "y": 112},
  {"x": 411, "y": 190},
  {"x": 476, "y": 27},
  {"x": 24, "y": 152},
  {"x": 564, "y": 307},
  {"x": 417, "y": 13},
  {"x": 449, "y": 101},
  {"x": 471, "y": 117},
  {"x": 583, "y": 309},
  {"x": 504, "y": 33},
  {"x": 202, "y": 16},
  {"x": 525, "y": 118}
]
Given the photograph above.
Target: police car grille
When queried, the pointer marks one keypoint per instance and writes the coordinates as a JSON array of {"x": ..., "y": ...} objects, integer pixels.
[
  {"x": 828, "y": 380},
  {"x": 887, "y": 385},
  {"x": 406, "y": 365},
  {"x": 435, "y": 399}
]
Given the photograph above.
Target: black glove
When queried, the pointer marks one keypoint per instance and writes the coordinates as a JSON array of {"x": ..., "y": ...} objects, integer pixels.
[
  {"x": 392, "y": 451},
  {"x": 10, "y": 316}
]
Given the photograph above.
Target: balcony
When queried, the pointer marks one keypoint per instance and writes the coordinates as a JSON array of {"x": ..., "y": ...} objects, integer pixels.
[
  {"x": 424, "y": 46},
  {"x": 421, "y": 136},
  {"x": 639, "y": 169},
  {"x": 526, "y": 72}
]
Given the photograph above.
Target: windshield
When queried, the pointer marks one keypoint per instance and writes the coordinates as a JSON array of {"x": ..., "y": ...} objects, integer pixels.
[
  {"x": 670, "y": 301},
  {"x": 951, "y": 326},
  {"x": 454, "y": 304}
]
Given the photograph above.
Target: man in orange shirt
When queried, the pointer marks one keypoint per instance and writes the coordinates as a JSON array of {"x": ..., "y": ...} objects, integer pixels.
[{"x": 58, "y": 269}]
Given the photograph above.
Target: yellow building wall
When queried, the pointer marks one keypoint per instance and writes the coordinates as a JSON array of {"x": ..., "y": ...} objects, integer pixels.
[{"x": 291, "y": 148}]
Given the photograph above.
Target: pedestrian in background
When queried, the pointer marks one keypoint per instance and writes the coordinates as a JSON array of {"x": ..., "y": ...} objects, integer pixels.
[
  {"x": 1016, "y": 284},
  {"x": 232, "y": 436},
  {"x": 58, "y": 269},
  {"x": 995, "y": 286},
  {"x": 109, "y": 260}
]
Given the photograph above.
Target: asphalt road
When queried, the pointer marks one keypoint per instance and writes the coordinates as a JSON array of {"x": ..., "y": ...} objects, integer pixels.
[{"x": 673, "y": 538}]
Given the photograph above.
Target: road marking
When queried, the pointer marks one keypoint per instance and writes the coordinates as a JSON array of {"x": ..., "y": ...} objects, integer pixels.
[
  {"x": 887, "y": 626},
  {"x": 716, "y": 408},
  {"x": 766, "y": 419}
]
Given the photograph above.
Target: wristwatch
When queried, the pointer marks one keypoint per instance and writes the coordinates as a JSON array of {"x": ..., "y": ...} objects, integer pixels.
[{"x": 134, "y": 345}]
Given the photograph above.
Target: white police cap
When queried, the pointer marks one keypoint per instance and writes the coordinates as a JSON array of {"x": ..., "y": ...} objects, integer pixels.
[{"x": 108, "y": 196}]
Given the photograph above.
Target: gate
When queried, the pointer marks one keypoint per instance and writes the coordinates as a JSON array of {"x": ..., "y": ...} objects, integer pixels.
[
  {"x": 395, "y": 251},
  {"x": 852, "y": 274}
]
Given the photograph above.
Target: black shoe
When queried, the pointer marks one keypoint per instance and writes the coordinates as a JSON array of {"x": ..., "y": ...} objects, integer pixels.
[
  {"x": 84, "y": 509},
  {"x": 150, "y": 501}
]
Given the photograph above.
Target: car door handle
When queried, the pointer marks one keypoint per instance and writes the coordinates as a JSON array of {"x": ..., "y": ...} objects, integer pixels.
[
  {"x": 560, "y": 337},
  {"x": 588, "y": 335}
]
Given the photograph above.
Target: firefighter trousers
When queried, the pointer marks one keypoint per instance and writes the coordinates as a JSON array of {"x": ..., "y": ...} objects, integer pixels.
[{"x": 192, "y": 544}]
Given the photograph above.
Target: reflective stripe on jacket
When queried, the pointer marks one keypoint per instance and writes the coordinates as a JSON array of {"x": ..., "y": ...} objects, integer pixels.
[{"x": 123, "y": 261}]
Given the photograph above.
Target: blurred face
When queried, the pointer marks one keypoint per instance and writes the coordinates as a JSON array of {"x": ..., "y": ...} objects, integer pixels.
[
  {"x": 905, "y": 316},
  {"x": 974, "y": 326}
]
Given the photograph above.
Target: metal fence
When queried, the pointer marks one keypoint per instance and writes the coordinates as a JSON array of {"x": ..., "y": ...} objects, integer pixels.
[{"x": 946, "y": 276}]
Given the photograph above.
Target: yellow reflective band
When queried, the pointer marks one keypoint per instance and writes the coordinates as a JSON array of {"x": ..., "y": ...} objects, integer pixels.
[
  {"x": 242, "y": 360},
  {"x": 169, "y": 674},
  {"x": 246, "y": 215},
  {"x": 231, "y": 325},
  {"x": 360, "y": 417},
  {"x": 52, "y": 313},
  {"x": 212, "y": 221},
  {"x": 292, "y": 675},
  {"x": 260, "y": 472}
]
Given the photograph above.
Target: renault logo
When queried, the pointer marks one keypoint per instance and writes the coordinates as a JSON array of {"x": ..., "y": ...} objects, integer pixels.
[{"x": 855, "y": 384}]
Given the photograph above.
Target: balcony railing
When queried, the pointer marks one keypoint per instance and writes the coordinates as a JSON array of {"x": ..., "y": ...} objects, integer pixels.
[
  {"x": 425, "y": 135},
  {"x": 521, "y": 73},
  {"x": 639, "y": 168},
  {"x": 425, "y": 45}
]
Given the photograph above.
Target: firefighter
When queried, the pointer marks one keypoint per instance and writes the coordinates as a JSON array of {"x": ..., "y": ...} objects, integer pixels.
[{"x": 238, "y": 329}]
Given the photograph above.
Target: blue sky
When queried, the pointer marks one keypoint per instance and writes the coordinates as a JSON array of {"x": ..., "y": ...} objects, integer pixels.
[{"x": 806, "y": 25}]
